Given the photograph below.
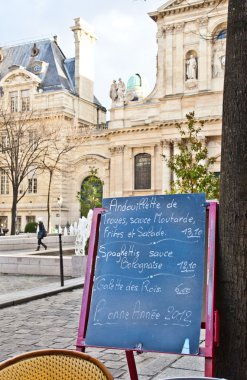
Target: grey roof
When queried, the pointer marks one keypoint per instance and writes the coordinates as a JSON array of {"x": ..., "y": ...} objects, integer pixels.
[
  {"x": 56, "y": 75},
  {"x": 60, "y": 72}
]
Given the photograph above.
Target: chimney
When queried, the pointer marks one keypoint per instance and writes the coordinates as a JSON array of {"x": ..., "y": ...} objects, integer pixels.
[{"x": 84, "y": 59}]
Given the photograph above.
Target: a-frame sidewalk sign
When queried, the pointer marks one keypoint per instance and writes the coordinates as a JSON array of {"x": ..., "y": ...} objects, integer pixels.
[{"x": 158, "y": 221}]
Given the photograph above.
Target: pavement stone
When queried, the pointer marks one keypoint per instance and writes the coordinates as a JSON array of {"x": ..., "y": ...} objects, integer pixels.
[{"x": 51, "y": 321}]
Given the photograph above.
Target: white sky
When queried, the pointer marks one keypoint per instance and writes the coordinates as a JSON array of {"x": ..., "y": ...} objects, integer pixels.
[{"x": 126, "y": 34}]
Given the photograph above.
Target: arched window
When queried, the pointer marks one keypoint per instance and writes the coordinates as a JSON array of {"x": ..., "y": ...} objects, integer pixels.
[
  {"x": 91, "y": 194},
  {"x": 143, "y": 171},
  {"x": 221, "y": 35}
]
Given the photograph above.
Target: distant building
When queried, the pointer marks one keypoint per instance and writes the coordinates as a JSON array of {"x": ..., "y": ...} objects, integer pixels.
[
  {"x": 129, "y": 153},
  {"x": 191, "y": 38},
  {"x": 37, "y": 76}
]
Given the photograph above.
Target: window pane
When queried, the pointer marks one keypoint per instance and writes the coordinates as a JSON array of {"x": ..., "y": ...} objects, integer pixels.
[
  {"x": 25, "y": 100},
  {"x": 14, "y": 101},
  {"x": 4, "y": 182},
  {"x": 143, "y": 171},
  {"x": 32, "y": 185}
]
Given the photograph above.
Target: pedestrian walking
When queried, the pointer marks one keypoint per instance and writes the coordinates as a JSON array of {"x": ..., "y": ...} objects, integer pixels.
[{"x": 41, "y": 233}]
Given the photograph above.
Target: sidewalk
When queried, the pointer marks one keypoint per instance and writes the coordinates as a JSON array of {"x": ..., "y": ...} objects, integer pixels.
[
  {"x": 48, "y": 289},
  {"x": 31, "y": 319}
]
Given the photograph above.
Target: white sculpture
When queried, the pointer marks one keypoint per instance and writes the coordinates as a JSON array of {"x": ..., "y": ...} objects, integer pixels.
[
  {"x": 191, "y": 67},
  {"x": 71, "y": 230},
  {"x": 114, "y": 91},
  {"x": 121, "y": 90},
  {"x": 75, "y": 228},
  {"x": 83, "y": 233},
  {"x": 117, "y": 91}
]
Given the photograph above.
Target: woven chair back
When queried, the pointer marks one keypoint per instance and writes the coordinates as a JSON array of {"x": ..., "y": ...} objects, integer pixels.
[{"x": 54, "y": 365}]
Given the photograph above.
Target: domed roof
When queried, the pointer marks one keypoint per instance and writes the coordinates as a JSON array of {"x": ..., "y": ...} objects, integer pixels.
[
  {"x": 137, "y": 88},
  {"x": 134, "y": 82}
]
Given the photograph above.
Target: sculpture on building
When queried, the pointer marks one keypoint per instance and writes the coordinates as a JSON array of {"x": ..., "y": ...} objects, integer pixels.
[
  {"x": 191, "y": 67},
  {"x": 114, "y": 91},
  {"x": 218, "y": 64},
  {"x": 121, "y": 89},
  {"x": 117, "y": 91}
]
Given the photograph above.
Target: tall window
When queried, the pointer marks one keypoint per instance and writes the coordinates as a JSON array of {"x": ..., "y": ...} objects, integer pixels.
[
  {"x": 32, "y": 185},
  {"x": 4, "y": 182},
  {"x": 32, "y": 182},
  {"x": 143, "y": 171},
  {"x": 25, "y": 100},
  {"x": 3, "y": 221},
  {"x": 32, "y": 139},
  {"x": 4, "y": 143},
  {"x": 14, "y": 101}
]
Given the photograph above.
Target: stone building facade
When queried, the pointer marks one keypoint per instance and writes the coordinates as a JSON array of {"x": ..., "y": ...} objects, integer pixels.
[
  {"x": 191, "y": 38},
  {"x": 129, "y": 153},
  {"x": 37, "y": 78}
]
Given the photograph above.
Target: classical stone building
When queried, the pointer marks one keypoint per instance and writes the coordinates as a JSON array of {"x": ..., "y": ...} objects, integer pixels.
[
  {"x": 129, "y": 153},
  {"x": 36, "y": 76}
]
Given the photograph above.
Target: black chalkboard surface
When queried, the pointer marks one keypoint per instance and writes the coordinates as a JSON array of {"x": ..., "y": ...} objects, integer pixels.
[{"x": 148, "y": 284}]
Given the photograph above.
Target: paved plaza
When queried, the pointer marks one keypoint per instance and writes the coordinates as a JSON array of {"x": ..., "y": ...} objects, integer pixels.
[{"x": 52, "y": 322}]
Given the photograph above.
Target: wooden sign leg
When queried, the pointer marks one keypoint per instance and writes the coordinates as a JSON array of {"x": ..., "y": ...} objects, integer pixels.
[{"x": 131, "y": 365}]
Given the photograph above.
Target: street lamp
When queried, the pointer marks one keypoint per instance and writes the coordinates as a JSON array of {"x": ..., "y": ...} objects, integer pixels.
[{"x": 59, "y": 202}]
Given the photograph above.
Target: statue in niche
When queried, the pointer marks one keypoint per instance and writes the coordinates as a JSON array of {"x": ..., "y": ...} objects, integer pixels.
[
  {"x": 191, "y": 68},
  {"x": 218, "y": 65}
]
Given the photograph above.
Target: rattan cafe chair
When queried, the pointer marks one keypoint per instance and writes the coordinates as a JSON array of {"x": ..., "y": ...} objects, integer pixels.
[
  {"x": 54, "y": 365},
  {"x": 193, "y": 378}
]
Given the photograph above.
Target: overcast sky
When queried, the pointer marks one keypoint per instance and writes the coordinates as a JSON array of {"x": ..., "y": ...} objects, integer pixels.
[{"x": 126, "y": 34}]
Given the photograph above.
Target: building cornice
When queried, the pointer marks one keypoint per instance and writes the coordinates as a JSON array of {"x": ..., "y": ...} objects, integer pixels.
[
  {"x": 153, "y": 126},
  {"x": 178, "y": 7}
]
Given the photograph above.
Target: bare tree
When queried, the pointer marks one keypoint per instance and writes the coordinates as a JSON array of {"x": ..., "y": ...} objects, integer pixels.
[
  {"x": 23, "y": 144},
  {"x": 231, "y": 358},
  {"x": 54, "y": 160}
]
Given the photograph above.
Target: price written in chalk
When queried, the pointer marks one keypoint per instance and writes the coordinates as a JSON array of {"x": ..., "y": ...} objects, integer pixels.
[{"x": 192, "y": 233}]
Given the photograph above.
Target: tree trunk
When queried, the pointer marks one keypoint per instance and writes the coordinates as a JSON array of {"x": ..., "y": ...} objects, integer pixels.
[
  {"x": 231, "y": 356},
  {"x": 14, "y": 211}
]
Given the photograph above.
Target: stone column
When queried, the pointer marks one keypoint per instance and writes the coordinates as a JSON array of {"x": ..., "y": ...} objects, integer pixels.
[
  {"x": 116, "y": 175},
  {"x": 178, "y": 66},
  {"x": 166, "y": 172},
  {"x": 203, "y": 55},
  {"x": 176, "y": 151},
  {"x": 160, "y": 80},
  {"x": 169, "y": 59}
]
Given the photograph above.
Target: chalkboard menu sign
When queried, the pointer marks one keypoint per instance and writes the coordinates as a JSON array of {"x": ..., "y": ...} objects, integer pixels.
[{"x": 148, "y": 283}]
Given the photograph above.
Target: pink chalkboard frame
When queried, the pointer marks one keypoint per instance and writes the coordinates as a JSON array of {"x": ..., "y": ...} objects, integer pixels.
[{"x": 211, "y": 323}]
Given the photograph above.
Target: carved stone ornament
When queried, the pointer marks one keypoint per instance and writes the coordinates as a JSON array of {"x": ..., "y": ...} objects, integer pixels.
[
  {"x": 179, "y": 27},
  {"x": 203, "y": 21},
  {"x": 18, "y": 79},
  {"x": 116, "y": 150},
  {"x": 89, "y": 161},
  {"x": 191, "y": 84},
  {"x": 168, "y": 29}
]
